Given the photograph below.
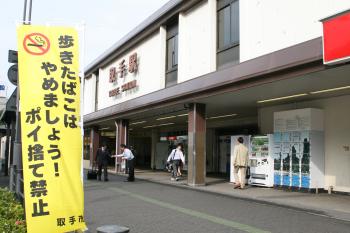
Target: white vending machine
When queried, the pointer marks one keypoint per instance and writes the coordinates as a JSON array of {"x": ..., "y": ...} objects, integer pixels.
[
  {"x": 299, "y": 160},
  {"x": 246, "y": 141},
  {"x": 261, "y": 161}
]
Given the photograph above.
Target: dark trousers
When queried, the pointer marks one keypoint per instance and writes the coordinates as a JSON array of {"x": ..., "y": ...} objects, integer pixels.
[
  {"x": 176, "y": 164},
  {"x": 130, "y": 166},
  {"x": 99, "y": 173}
]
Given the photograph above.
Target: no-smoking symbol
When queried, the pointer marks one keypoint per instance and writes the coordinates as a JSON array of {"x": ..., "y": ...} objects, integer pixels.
[{"x": 36, "y": 44}]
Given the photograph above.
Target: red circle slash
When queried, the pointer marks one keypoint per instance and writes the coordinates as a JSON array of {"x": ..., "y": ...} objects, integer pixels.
[{"x": 36, "y": 44}]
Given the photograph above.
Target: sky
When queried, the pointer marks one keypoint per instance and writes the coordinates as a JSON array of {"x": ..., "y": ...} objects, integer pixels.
[{"x": 106, "y": 21}]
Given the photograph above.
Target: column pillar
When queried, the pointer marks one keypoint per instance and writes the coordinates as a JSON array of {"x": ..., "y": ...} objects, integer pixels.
[
  {"x": 122, "y": 136},
  {"x": 196, "y": 145},
  {"x": 94, "y": 144}
]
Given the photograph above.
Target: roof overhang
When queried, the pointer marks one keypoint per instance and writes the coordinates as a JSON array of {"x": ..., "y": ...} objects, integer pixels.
[{"x": 286, "y": 63}]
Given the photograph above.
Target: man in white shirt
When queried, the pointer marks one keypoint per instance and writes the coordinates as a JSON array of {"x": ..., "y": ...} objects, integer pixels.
[
  {"x": 129, "y": 157},
  {"x": 175, "y": 157}
]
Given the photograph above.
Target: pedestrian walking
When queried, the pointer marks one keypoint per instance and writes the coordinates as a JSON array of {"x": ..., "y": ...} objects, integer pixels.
[
  {"x": 181, "y": 165},
  {"x": 102, "y": 156},
  {"x": 176, "y": 155},
  {"x": 240, "y": 163},
  {"x": 129, "y": 157}
]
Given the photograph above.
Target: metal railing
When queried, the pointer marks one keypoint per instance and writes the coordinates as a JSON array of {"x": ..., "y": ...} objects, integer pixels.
[{"x": 16, "y": 182}]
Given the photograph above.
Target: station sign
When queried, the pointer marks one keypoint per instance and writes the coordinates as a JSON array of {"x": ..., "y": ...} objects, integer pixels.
[{"x": 120, "y": 73}]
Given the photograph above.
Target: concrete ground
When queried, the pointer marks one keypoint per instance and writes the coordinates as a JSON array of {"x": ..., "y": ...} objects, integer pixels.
[
  {"x": 151, "y": 207},
  {"x": 155, "y": 204},
  {"x": 334, "y": 205}
]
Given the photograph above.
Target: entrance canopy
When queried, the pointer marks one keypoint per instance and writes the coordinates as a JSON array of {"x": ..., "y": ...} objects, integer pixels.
[{"x": 234, "y": 106}]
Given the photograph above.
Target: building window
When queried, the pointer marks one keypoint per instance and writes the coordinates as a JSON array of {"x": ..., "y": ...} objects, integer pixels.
[
  {"x": 96, "y": 91},
  {"x": 171, "y": 55},
  {"x": 228, "y": 32}
]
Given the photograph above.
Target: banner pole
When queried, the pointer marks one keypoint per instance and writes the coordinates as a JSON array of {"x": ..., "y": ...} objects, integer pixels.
[
  {"x": 30, "y": 12},
  {"x": 24, "y": 12}
]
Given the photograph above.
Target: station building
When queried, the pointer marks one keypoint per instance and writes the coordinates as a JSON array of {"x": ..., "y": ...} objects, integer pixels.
[{"x": 200, "y": 71}]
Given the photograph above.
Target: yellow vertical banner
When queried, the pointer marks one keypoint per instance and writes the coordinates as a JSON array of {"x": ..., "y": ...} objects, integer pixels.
[{"x": 49, "y": 86}]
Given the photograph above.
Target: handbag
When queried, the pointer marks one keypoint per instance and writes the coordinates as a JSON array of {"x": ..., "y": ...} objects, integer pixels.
[
  {"x": 247, "y": 173},
  {"x": 172, "y": 157},
  {"x": 169, "y": 166},
  {"x": 92, "y": 173}
]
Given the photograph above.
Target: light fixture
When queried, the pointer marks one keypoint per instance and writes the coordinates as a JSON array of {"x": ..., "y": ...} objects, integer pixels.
[
  {"x": 222, "y": 116},
  {"x": 181, "y": 115},
  {"x": 152, "y": 126},
  {"x": 166, "y": 124},
  {"x": 108, "y": 134},
  {"x": 330, "y": 90},
  {"x": 149, "y": 126},
  {"x": 164, "y": 118},
  {"x": 104, "y": 128},
  {"x": 138, "y": 122},
  {"x": 281, "y": 98}
]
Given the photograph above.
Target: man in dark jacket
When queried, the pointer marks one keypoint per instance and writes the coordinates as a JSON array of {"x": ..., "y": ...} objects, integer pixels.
[{"x": 102, "y": 156}]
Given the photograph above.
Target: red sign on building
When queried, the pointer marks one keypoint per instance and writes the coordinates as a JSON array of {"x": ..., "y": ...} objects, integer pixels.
[
  {"x": 172, "y": 138},
  {"x": 336, "y": 38}
]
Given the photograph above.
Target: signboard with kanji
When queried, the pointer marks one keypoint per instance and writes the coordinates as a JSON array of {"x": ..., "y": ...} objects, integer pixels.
[
  {"x": 51, "y": 131},
  {"x": 122, "y": 72}
]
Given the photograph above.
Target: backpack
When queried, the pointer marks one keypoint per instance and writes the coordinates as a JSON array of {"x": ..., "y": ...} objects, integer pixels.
[{"x": 173, "y": 156}]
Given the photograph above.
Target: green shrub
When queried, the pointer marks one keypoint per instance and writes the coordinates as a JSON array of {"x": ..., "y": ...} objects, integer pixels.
[{"x": 11, "y": 213}]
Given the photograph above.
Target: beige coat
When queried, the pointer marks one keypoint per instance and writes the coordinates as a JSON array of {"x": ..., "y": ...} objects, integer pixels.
[{"x": 240, "y": 155}]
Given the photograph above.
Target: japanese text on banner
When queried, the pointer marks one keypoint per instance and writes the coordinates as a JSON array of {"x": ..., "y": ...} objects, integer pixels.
[{"x": 51, "y": 132}]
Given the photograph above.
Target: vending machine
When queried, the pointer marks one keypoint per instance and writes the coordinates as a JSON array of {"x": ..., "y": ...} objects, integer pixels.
[
  {"x": 261, "y": 161},
  {"x": 246, "y": 141},
  {"x": 299, "y": 149}
]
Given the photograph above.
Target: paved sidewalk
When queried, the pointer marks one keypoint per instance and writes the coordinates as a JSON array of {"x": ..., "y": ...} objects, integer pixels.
[{"x": 334, "y": 205}]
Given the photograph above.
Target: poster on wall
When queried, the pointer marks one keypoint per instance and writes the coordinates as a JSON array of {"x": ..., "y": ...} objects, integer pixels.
[
  {"x": 259, "y": 147},
  {"x": 292, "y": 160}
]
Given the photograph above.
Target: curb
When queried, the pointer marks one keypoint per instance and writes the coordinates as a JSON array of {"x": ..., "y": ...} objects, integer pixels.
[{"x": 248, "y": 199}]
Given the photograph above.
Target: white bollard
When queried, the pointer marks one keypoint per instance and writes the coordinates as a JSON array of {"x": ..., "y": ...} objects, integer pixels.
[{"x": 330, "y": 188}]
